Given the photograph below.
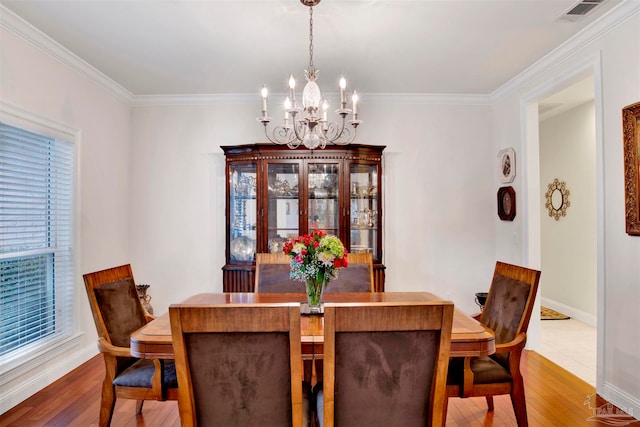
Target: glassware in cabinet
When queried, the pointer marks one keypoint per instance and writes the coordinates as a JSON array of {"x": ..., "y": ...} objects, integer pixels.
[
  {"x": 364, "y": 209},
  {"x": 323, "y": 205},
  {"x": 242, "y": 212},
  {"x": 283, "y": 204}
]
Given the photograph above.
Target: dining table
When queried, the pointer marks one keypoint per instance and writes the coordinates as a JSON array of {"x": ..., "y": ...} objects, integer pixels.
[{"x": 468, "y": 336}]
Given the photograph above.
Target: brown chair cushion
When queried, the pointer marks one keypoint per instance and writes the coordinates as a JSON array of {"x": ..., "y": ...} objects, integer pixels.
[
  {"x": 379, "y": 375},
  {"x": 274, "y": 278},
  {"x": 121, "y": 310},
  {"x": 355, "y": 278},
  {"x": 485, "y": 371},
  {"x": 240, "y": 378}
]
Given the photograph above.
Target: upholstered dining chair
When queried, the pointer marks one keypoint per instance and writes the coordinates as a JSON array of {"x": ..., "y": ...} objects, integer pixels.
[
  {"x": 385, "y": 364},
  {"x": 239, "y": 365},
  {"x": 117, "y": 312},
  {"x": 272, "y": 275},
  {"x": 507, "y": 312}
]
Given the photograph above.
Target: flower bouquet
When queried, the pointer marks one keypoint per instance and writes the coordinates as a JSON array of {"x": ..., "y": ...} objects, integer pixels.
[{"x": 315, "y": 260}]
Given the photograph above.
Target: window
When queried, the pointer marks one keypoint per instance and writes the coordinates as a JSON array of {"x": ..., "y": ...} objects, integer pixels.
[{"x": 36, "y": 240}]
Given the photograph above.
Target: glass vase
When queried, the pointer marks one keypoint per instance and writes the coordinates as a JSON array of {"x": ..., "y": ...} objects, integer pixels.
[{"x": 315, "y": 288}]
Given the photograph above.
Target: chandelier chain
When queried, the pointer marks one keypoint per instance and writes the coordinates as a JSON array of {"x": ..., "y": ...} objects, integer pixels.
[{"x": 311, "y": 68}]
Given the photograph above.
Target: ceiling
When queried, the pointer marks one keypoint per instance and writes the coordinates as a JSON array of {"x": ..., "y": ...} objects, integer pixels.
[{"x": 179, "y": 47}]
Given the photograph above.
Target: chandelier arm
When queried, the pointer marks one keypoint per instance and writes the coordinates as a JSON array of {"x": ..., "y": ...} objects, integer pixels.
[
  {"x": 300, "y": 130},
  {"x": 281, "y": 135}
]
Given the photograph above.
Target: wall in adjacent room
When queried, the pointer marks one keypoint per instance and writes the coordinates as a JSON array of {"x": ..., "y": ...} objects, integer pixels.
[{"x": 567, "y": 152}]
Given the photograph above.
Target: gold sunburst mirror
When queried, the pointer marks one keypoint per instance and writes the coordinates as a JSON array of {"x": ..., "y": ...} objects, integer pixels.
[{"x": 557, "y": 197}]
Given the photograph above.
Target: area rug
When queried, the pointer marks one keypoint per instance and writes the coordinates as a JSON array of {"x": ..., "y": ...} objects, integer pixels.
[{"x": 548, "y": 314}]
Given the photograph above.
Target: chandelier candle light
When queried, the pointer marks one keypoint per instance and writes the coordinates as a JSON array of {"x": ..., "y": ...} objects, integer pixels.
[{"x": 305, "y": 124}]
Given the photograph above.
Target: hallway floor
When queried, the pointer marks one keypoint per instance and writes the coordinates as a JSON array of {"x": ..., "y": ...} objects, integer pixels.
[{"x": 572, "y": 345}]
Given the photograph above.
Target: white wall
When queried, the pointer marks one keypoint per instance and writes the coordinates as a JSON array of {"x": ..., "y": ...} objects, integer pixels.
[
  {"x": 567, "y": 152},
  {"x": 439, "y": 202},
  {"x": 616, "y": 53},
  {"x": 43, "y": 86}
]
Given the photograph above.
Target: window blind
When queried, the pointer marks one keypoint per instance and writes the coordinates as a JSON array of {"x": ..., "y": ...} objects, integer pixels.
[{"x": 36, "y": 238}]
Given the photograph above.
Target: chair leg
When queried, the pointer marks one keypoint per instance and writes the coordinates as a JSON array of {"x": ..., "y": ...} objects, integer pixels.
[
  {"x": 107, "y": 403},
  {"x": 444, "y": 410},
  {"x": 519, "y": 404},
  {"x": 139, "y": 406},
  {"x": 489, "y": 402}
]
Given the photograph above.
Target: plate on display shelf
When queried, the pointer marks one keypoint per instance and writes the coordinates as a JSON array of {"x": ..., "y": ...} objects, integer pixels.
[{"x": 243, "y": 248}]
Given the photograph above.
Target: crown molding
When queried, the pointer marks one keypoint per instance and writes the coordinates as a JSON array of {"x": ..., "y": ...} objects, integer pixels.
[
  {"x": 196, "y": 99},
  {"x": 37, "y": 38},
  {"x": 597, "y": 29},
  {"x": 253, "y": 99}
]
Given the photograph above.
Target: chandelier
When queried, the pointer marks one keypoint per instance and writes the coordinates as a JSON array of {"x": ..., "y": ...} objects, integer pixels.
[{"x": 304, "y": 123}]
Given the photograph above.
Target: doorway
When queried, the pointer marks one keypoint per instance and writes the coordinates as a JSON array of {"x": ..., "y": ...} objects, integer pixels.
[{"x": 563, "y": 150}]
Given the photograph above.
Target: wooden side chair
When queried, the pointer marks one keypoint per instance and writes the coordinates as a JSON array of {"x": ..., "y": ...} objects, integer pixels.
[
  {"x": 118, "y": 312},
  {"x": 385, "y": 364},
  {"x": 507, "y": 312},
  {"x": 239, "y": 365}
]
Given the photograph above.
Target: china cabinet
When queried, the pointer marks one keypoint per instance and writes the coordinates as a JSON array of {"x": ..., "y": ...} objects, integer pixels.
[{"x": 274, "y": 193}]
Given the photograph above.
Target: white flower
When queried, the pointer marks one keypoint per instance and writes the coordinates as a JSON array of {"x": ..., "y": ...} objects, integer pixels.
[
  {"x": 326, "y": 258},
  {"x": 298, "y": 248}
]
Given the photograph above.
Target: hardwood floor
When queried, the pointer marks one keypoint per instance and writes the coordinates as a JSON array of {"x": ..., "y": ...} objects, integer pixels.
[{"x": 554, "y": 398}]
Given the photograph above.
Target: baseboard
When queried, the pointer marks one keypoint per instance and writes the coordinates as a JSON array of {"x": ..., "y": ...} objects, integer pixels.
[
  {"x": 572, "y": 312},
  {"x": 624, "y": 401},
  {"x": 21, "y": 392}
]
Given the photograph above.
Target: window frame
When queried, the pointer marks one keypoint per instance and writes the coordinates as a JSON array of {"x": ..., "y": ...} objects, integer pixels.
[{"x": 33, "y": 355}]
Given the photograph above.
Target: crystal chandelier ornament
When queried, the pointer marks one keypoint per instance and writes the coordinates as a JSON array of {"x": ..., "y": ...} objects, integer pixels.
[{"x": 305, "y": 124}]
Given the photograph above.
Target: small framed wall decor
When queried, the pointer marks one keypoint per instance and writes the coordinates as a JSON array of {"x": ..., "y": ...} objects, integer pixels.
[
  {"x": 631, "y": 145},
  {"x": 557, "y": 199},
  {"x": 506, "y": 203},
  {"x": 507, "y": 165}
]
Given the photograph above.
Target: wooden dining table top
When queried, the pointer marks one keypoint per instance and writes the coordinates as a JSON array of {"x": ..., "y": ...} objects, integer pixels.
[{"x": 468, "y": 336}]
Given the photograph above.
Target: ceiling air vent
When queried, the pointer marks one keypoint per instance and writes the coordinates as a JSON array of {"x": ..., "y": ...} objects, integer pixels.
[{"x": 580, "y": 10}]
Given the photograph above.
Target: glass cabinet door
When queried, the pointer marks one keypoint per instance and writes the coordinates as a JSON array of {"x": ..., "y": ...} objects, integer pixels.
[
  {"x": 283, "y": 206},
  {"x": 242, "y": 212},
  {"x": 364, "y": 209},
  {"x": 323, "y": 197}
]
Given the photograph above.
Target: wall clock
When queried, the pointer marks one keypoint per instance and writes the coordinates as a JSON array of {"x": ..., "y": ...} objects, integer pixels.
[{"x": 506, "y": 203}]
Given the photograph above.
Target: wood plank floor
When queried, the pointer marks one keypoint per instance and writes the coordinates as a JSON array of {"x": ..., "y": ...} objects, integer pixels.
[{"x": 555, "y": 397}]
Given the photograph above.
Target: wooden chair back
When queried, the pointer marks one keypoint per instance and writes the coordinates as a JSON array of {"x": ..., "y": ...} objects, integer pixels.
[
  {"x": 386, "y": 363},
  {"x": 238, "y": 364},
  {"x": 357, "y": 277},
  {"x": 510, "y": 302},
  {"x": 272, "y": 274},
  {"x": 116, "y": 308}
]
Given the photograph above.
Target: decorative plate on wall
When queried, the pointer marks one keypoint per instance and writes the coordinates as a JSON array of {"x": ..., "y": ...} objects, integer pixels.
[
  {"x": 507, "y": 165},
  {"x": 557, "y": 197},
  {"x": 506, "y": 203}
]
